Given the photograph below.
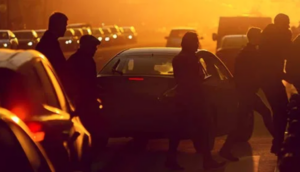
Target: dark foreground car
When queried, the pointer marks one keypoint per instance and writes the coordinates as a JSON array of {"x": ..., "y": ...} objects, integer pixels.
[
  {"x": 19, "y": 152},
  {"x": 137, "y": 92},
  {"x": 34, "y": 93}
]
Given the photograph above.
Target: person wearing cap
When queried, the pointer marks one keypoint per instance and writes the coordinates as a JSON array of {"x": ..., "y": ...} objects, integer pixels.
[
  {"x": 82, "y": 88},
  {"x": 189, "y": 76}
]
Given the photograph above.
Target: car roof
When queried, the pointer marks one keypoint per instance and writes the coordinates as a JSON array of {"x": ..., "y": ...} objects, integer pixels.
[
  {"x": 13, "y": 59},
  {"x": 22, "y": 31},
  {"x": 4, "y": 30},
  {"x": 235, "y": 36},
  {"x": 41, "y": 30},
  {"x": 184, "y": 28},
  {"x": 151, "y": 51}
]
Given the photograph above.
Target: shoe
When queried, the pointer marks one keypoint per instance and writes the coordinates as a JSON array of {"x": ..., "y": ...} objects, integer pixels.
[
  {"x": 174, "y": 166},
  {"x": 228, "y": 155},
  {"x": 212, "y": 164}
]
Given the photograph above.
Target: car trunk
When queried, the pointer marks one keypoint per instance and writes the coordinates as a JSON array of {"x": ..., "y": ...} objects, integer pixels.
[{"x": 131, "y": 102}]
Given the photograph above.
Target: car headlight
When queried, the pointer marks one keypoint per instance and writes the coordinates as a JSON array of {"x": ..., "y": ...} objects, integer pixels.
[
  {"x": 69, "y": 42},
  {"x": 107, "y": 39},
  {"x": 100, "y": 38},
  {"x": 130, "y": 36},
  {"x": 29, "y": 43},
  {"x": 100, "y": 103},
  {"x": 77, "y": 41},
  {"x": 5, "y": 45},
  {"x": 115, "y": 36}
]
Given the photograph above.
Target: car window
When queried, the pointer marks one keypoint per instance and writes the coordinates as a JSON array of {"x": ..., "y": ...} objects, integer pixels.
[
  {"x": 47, "y": 86},
  {"x": 12, "y": 156},
  {"x": 33, "y": 153},
  {"x": 234, "y": 42},
  {"x": 24, "y": 35},
  {"x": 57, "y": 86},
  {"x": 147, "y": 65},
  {"x": 78, "y": 32},
  {"x": 68, "y": 33},
  {"x": 4, "y": 35}
]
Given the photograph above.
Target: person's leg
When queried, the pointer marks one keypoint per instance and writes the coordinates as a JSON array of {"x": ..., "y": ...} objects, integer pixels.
[
  {"x": 265, "y": 112},
  {"x": 276, "y": 95}
]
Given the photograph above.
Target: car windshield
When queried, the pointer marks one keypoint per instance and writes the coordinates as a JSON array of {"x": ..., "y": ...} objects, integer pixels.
[
  {"x": 128, "y": 30},
  {"x": 40, "y": 33},
  {"x": 106, "y": 31},
  {"x": 147, "y": 65},
  {"x": 114, "y": 30},
  {"x": 179, "y": 33},
  {"x": 24, "y": 35},
  {"x": 3, "y": 35},
  {"x": 97, "y": 32},
  {"x": 68, "y": 33},
  {"x": 234, "y": 42},
  {"x": 77, "y": 32}
]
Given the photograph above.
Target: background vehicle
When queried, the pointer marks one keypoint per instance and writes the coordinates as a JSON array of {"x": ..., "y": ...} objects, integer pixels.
[
  {"x": 19, "y": 152},
  {"x": 117, "y": 37},
  {"x": 28, "y": 39},
  {"x": 69, "y": 41},
  {"x": 8, "y": 39},
  {"x": 130, "y": 34},
  {"x": 230, "y": 47},
  {"x": 43, "y": 105},
  {"x": 40, "y": 32},
  {"x": 108, "y": 36},
  {"x": 99, "y": 33},
  {"x": 79, "y": 25},
  {"x": 137, "y": 93},
  {"x": 238, "y": 25},
  {"x": 175, "y": 36}
]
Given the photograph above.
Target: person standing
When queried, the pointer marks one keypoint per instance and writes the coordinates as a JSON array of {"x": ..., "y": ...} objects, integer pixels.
[
  {"x": 189, "y": 76},
  {"x": 247, "y": 80},
  {"x": 49, "y": 45}
]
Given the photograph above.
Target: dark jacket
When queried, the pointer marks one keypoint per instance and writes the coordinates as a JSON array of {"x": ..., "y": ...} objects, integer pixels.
[
  {"x": 50, "y": 47},
  {"x": 246, "y": 75},
  {"x": 82, "y": 80},
  {"x": 188, "y": 73}
]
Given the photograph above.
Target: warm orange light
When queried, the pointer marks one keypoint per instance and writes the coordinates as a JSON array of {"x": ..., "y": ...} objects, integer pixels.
[{"x": 19, "y": 111}]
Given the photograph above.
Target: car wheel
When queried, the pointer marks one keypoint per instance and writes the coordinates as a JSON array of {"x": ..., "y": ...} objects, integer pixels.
[{"x": 246, "y": 130}]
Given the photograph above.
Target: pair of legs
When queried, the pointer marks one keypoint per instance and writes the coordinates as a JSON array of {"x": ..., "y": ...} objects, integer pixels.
[
  {"x": 248, "y": 104},
  {"x": 197, "y": 123},
  {"x": 277, "y": 97}
]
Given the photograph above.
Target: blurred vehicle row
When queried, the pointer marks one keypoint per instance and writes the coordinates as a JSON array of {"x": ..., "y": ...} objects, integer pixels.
[{"x": 109, "y": 36}]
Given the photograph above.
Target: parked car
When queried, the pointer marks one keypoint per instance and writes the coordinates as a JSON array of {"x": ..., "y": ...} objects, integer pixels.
[
  {"x": 136, "y": 88},
  {"x": 230, "y": 47},
  {"x": 108, "y": 36},
  {"x": 117, "y": 37},
  {"x": 99, "y": 33},
  {"x": 176, "y": 34},
  {"x": 34, "y": 93},
  {"x": 69, "y": 42},
  {"x": 130, "y": 34},
  {"x": 8, "y": 39},
  {"x": 28, "y": 39},
  {"x": 19, "y": 152},
  {"x": 40, "y": 32}
]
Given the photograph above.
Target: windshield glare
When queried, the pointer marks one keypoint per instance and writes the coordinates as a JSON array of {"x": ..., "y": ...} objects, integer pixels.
[{"x": 4, "y": 35}]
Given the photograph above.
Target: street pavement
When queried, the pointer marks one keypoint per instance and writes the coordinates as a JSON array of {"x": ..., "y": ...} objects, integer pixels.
[{"x": 120, "y": 157}]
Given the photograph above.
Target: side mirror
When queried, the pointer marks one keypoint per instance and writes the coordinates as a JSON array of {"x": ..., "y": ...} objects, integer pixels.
[
  {"x": 214, "y": 36},
  {"x": 166, "y": 37}
]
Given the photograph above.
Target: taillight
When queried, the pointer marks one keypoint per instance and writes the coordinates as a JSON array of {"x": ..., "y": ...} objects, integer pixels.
[
  {"x": 36, "y": 129},
  {"x": 136, "y": 79}
]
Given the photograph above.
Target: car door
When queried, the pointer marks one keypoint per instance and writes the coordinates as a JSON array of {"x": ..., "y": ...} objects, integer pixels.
[{"x": 221, "y": 93}]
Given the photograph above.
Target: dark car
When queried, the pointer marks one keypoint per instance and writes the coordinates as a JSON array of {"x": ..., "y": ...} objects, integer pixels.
[
  {"x": 34, "y": 93},
  {"x": 8, "y": 39},
  {"x": 69, "y": 42},
  {"x": 136, "y": 89},
  {"x": 99, "y": 33},
  {"x": 230, "y": 47},
  {"x": 130, "y": 34},
  {"x": 108, "y": 36},
  {"x": 28, "y": 39},
  {"x": 19, "y": 152},
  {"x": 117, "y": 37}
]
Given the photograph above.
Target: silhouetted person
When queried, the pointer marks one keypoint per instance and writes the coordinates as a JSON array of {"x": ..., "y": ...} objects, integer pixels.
[
  {"x": 189, "y": 76},
  {"x": 247, "y": 80},
  {"x": 49, "y": 45},
  {"x": 293, "y": 63},
  {"x": 274, "y": 49},
  {"x": 82, "y": 88}
]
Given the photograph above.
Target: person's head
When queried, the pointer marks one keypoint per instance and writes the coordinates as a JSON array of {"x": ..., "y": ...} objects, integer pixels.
[
  {"x": 282, "y": 21},
  {"x": 89, "y": 44},
  {"x": 58, "y": 24},
  {"x": 254, "y": 36},
  {"x": 190, "y": 42}
]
